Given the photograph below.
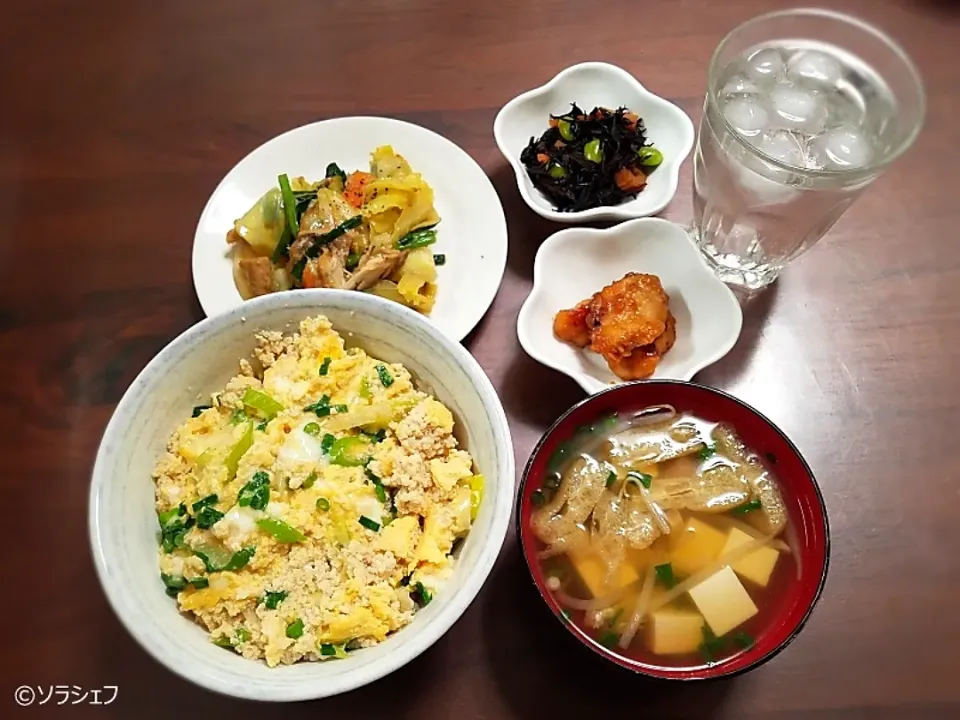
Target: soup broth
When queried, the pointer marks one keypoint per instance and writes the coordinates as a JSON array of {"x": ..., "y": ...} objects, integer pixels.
[{"x": 664, "y": 538}]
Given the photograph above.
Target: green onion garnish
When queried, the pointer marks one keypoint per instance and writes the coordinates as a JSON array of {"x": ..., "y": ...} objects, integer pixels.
[
  {"x": 243, "y": 635},
  {"x": 265, "y": 405},
  {"x": 198, "y": 409},
  {"x": 203, "y": 502},
  {"x": 611, "y": 478},
  {"x": 439, "y": 259},
  {"x": 295, "y": 629},
  {"x": 328, "y": 650},
  {"x": 280, "y": 530},
  {"x": 377, "y": 484},
  {"x": 289, "y": 204},
  {"x": 747, "y": 507},
  {"x": 665, "y": 575},
  {"x": 327, "y": 443},
  {"x": 207, "y": 517},
  {"x": 368, "y": 523},
  {"x": 323, "y": 504},
  {"x": 273, "y": 599},
  {"x": 706, "y": 451},
  {"x": 609, "y": 639},
  {"x": 744, "y": 640},
  {"x": 424, "y": 595},
  {"x": 386, "y": 379},
  {"x": 321, "y": 407},
  {"x": 325, "y": 365},
  {"x": 311, "y": 479},
  {"x": 199, "y": 583},
  {"x": 255, "y": 493},
  {"x": 641, "y": 478},
  {"x": 311, "y": 428}
]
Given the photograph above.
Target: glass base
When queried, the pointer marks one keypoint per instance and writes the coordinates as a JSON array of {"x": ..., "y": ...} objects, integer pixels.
[{"x": 739, "y": 271}]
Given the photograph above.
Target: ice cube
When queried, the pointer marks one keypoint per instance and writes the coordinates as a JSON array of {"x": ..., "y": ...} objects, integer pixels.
[
  {"x": 765, "y": 66},
  {"x": 814, "y": 70},
  {"x": 780, "y": 145},
  {"x": 842, "y": 148},
  {"x": 747, "y": 116},
  {"x": 739, "y": 86},
  {"x": 797, "y": 109}
]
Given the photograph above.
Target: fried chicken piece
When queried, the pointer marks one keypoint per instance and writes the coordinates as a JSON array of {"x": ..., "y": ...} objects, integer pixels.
[
  {"x": 571, "y": 325},
  {"x": 627, "y": 322},
  {"x": 627, "y": 314}
]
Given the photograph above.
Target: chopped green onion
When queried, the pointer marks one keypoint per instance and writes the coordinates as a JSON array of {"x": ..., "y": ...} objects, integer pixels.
[
  {"x": 289, "y": 204},
  {"x": 243, "y": 635},
  {"x": 321, "y": 408},
  {"x": 417, "y": 239},
  {"x": 255, "y": 493},
  {"x": 237, "y": 451},
  {"x": 352, "y": 451},
  {"x": 238, "y": 416},
  {"x": 439, "y": 259},
  {"x": 333, "y": 170},
  {"x": 747, "y": 507},
  {"x": 567, "y": 129},
  {"x": 174, "y": 525},
  {"x": 328, "y": 650},
  {"x": 744, "y": 640},
  {"x": 199, "y": 583},
  {"x": 323, "y": 504},
  {"x": 265, "y": 405},
  {"x": 538, "y": 498},
  {"x": 327, "y": 443},
  {"x": 593, "y": 152},
  {"x": 386, "y": 379},
  {"x": 611, "y": 478},
  {"x": 364, "y": 390},
  {"x": 321, "y": 241},
  {"x": 198, "y": 409},
  {"x": 711, "y": 645},
  {"x": 706, "y": 451},
  {"x": 262, "y": 427},
  {"x": 295, "y": 629},
  {"x": 273, "y": 599},
  {"x": 424, "y": 595},
  {"x": 280, "y": 530},
  {"x": 377, "y": 437},
  {"x": 641, "y": 478},
  {"x": 168, "y": 515},
  {"x": 353, "y": 259},
  {"x": 377, "y": 485},
  {"x": 609, "y": 639},
  {"x": 311, "y": 479},
  {"x": 311, "y": 428},
  {"x": 650, "y": 157},
  {"x": 559, "y": 457},
  {"x": 224, "y": 641},
  {"x": 665, "y": 575},
  {"x": 325, "y": 365},
  {"x": 236, "y": 562},
  {"x": 368, "y": 523},
  {"x": 340, "y": 408}
]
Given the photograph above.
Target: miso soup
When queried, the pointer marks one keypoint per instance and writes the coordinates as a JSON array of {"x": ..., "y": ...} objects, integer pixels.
[{"x": 664, "y": 537}]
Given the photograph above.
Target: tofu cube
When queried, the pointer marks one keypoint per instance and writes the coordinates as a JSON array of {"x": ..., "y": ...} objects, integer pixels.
[
  {"x": 674, "y": 632},
  {"x": 755, "y": 567},
  {"x": 593, "y": 573},
  {"x": 723, "y": 601},
  {"x": 695, "y": 547}
]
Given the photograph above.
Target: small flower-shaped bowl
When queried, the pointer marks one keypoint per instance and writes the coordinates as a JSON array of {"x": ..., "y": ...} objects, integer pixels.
[
  {"x": 573, "y": 264},
  {"x": 589, "y": 85}
]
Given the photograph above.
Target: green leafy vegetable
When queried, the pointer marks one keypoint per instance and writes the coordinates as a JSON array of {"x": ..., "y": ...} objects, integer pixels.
[
  {"x": 198, "y": 409},
  {"x": 711, "y": 645},
  {"x": 236, "y": 562},
  {"x": 327, "y": 442},
  {"x": 439, "y": 259},
  {"x": 255, "y": 493},
  {"x": 207, "y": 517},
  {"x": 665, "y": 575},
  {"x": 744, "y": 640},
  {"x": 280, "y": 530},
  {"x": 243, "y": 635},
  {"x": 323, "y": 504},
  {"x": 321, "y": 408},
  {"x": 237, "y": 451},
  {"x": 174, "y": 525},
  {"x": 325, "y": 365},
  {"x": 386, "y": 379},
  {"x": 273, "y": 599},
  {"x": 295, "y": 629},
  {"x": 238, "y": 416},
  {"x": 262, "y": 427},
  {"x": 333, "y": 170},
  {"x": 311, "y": 479},
  {"x": 418, "y": 238},
  {"x": 199, "y": 583},
  {"x": 353, "y": 259},
  {"x": 289, "y": 204},
  {"x": 368, "y": 523},
  {"x": 747, "y": 508},
  {"x": 203, "y": 502},
  {"x": 422, "y": 596},
  {"x": 283, "y": 246},
  {"x": 328, "y": 650},
  {"x": 321, "y": 241},
  {"x": 224, "y": 641},
  {"x": 173, "y": 583},
  {"x": 265, "y": 405},
  {"x": 297, "y": 270}
]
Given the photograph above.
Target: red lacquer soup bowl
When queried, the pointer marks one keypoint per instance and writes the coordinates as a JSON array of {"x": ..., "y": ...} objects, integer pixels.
[{"x": 787, "y": 613}]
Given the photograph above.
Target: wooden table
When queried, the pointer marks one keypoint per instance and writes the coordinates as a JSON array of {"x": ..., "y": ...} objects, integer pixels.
[{"x": 119, "y": 118}]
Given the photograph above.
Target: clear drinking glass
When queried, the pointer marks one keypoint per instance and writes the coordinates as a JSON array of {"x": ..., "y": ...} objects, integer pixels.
[{"x": 804, "y": 109}]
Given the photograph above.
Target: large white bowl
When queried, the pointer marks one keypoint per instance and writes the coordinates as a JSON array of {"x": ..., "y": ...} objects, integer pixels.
[
  {"x": 574, "y": 263},
  {"x": 123, "y": 526},
  {"x": 472, "y": 233},
  {"x": 596, "y": 84}
]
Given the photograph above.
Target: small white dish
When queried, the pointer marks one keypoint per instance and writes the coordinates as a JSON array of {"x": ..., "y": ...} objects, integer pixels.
[
  {"x": 472, "y": 231},
  {"x": 574, "y": 263},
  {"x": 122, "y": 520},
  {"x": 596, "y": 84}
]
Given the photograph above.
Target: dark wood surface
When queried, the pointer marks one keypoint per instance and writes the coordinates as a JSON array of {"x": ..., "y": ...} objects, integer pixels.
[{"x": 119, "y": 118}]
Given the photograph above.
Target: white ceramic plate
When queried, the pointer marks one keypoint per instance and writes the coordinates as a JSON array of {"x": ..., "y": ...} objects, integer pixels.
[
  {"x": 472, "y": 232},
  {"x": 122, "y": 519},
  {"x": 573, "y": 264},
  {"x": 591, "y": 85}
]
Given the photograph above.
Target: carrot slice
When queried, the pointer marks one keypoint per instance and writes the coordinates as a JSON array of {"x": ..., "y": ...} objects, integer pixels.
[{"x": 353, "y": 190}]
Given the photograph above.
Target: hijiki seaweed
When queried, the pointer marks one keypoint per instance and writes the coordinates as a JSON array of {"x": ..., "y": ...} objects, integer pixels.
[{"x": 585, "y": 161}]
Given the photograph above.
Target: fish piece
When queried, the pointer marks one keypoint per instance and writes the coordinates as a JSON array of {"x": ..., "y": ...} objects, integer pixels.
[{"x": 581, "y": 488}]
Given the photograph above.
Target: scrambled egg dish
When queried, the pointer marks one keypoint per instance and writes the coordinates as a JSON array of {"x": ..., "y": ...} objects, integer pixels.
[{"x": 313, "y": 506}]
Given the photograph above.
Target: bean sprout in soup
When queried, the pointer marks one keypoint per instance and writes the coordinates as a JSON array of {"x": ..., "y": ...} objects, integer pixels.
[{"x": 664, "y": 538}]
